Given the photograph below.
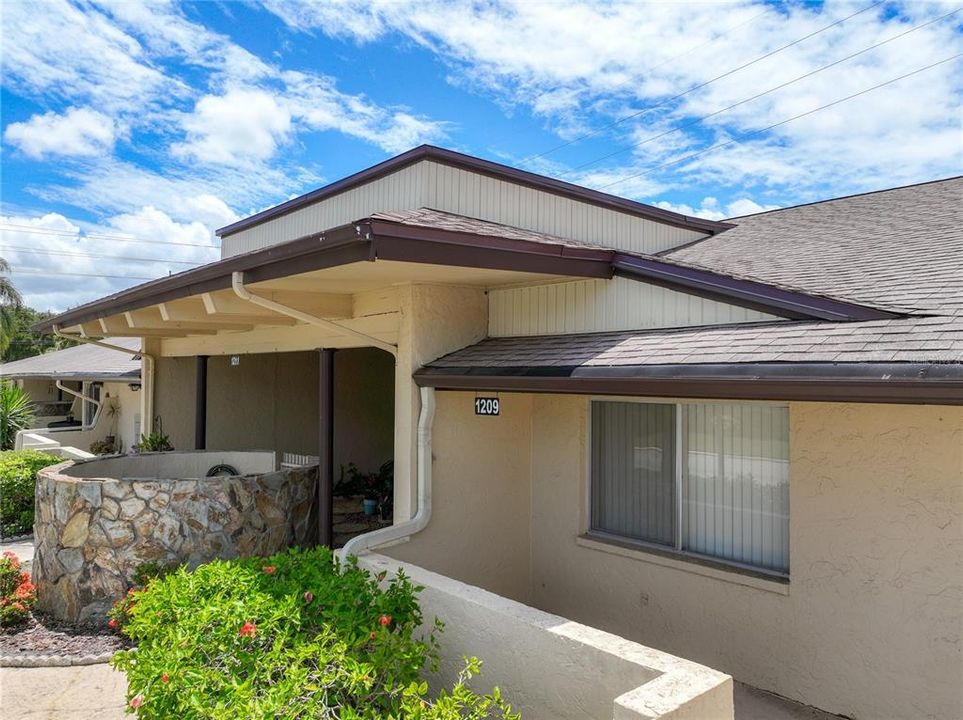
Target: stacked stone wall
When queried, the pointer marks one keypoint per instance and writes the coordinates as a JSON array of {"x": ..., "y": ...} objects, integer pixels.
[{"x": 92, "y": 533}]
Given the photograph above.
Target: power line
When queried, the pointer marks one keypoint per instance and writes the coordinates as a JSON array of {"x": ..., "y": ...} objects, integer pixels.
[
  {"x": 18, "y": 248},
  {"x": 692, "y": 49},
  {"x": 766, "y": 92},
  {"x": 781, "y": 122},
  {"x": 30, "y": 271},
  {"x": 703, "y": 84},
  {"x": 97, "y": 236}
]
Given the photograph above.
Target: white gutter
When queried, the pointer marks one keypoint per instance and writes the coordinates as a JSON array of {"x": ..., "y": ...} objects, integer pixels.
[
  {"x": 146, "y": 381},
  {"x": 404, "y": 530},
  {"x": 237, "y": 283}
]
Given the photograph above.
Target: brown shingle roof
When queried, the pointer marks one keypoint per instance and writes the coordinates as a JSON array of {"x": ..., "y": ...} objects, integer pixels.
[{"x": 918, "y": 339}]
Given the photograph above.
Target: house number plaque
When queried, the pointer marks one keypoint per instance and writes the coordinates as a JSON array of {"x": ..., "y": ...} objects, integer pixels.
[{"x": 486, "y": 406}]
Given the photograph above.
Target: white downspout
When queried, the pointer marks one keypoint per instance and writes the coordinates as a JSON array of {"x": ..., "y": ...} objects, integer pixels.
[
  {"x": 146, "y": 381},
  {"x": 237, "y": 283},
  {"x": 404, "y": 530}
]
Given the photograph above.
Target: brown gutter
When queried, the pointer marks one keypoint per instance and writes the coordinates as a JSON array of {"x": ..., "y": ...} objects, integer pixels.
[
  {"x": 906, "y": 383},
  {"x": 481, "y": 167}
]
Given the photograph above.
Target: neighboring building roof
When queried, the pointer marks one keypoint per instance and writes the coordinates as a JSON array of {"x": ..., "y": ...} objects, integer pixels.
[
  {"x": 899, "y": 249},
  {"x": 81, "y": 362},
  {"x": 482, "y": 167}
]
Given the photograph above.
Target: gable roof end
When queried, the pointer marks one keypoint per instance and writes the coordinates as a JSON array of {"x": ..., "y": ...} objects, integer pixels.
[{"x": 482, "y": 167}]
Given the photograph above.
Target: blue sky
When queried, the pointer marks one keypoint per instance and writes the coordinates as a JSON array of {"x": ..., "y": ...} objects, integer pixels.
[{"x": 130, "y": 131}]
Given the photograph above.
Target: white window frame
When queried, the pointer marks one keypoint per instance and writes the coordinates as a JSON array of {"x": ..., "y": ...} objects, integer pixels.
[{"x": 676, "y": 551}]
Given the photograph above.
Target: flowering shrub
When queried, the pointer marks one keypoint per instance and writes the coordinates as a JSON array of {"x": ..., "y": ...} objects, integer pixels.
[
  {"x": 17, "y": 592},
  {"x": 291, "y": 636},
  {"x": 119, "y": 614}
]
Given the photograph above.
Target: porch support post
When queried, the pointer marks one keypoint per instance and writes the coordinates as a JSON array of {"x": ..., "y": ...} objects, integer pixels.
[
  {"x": 326, "y": 448},
  {"x": 200, "y": 404}
]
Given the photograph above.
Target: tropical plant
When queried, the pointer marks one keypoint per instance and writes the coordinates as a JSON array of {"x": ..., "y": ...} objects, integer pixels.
[
  {"x": 155, "y": 442},
  {"x": 25, "y": 341},
  {"x": 10, "y": 300},
  {"x": 16, "y": 413},
  {"x": 291, "y": 636},
  {"x": 18, "y": 482}
]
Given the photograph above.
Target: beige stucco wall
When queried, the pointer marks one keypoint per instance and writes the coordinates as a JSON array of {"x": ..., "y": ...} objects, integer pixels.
[
  {"x": 871, "y": 623},
  {"x": 173, "y": 394},
  {"x": 479, "y": 532}
]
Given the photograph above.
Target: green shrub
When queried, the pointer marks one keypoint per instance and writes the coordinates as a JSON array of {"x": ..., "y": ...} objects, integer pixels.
[
  {"x": 155, "y": 442},
  {"x": 17, "y": 592},
  {"x": 289, "y": 636},
  {"x": 18, "y": 480}
]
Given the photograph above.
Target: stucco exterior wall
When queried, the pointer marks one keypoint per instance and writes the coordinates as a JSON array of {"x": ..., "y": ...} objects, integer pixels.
[
  {"x": 870, "y": 624},
  {"x": 479, "y": 532},
  {"x": 173, "y": 394}
]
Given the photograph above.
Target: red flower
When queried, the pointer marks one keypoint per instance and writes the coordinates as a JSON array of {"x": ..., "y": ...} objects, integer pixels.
[
  {"x": 308, "y": 596},
  {"x": 165, "y": 678},
  {"x": 12, "y": 557},
  {"x": 248, "y": 629},
  {"x": 112, "y": 623},
  {"x": 373, "y": 635},
  {"x": 131, "y": 591},
  {"x": 381, "y": 576},
  {"x": 384, "y": 620},
  {"x": 268, "y": 569},
  {"x": 24, "y": 577},
  {"x": 136, "y": 701}
]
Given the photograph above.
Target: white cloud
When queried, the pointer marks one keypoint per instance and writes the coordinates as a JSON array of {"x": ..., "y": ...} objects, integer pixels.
[
  {"x": 583, "y": 65},
  {"x": 711, "y": 209},
  {"x": 59, "y": 263},
  {"x": 78, "y": 132},
  {"x": 234, "y": 128}
]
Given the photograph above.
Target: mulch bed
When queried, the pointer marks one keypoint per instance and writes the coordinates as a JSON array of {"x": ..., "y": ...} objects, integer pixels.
[{"x": 44, "y": 635}]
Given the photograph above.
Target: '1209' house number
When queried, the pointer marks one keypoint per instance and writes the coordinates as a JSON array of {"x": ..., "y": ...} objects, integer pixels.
[{"x": 486, "y": 406}]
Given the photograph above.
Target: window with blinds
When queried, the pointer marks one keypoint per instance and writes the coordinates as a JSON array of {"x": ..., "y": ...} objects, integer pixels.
[{"x": 710, "y": 479}]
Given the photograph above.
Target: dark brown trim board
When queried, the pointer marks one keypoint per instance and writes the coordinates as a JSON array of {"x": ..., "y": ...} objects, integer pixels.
[
  {"x": 905, "y": 383},
  {"x": 483, "y": 167}
]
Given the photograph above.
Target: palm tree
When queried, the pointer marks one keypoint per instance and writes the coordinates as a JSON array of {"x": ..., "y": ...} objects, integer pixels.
[{"x": 10, "y": 300}]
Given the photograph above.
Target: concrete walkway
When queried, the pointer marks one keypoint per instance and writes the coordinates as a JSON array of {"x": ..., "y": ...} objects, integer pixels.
[
  {"x": 96, "y": 692},
  {"x": 87, "y": 692},
  {"x": 23, "y": 549}
]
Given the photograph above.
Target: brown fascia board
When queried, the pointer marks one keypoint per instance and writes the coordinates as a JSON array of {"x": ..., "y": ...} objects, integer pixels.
[
  {"x": 482, "y": 167},
  {"x": 363, "y": 241},
  {"x": 760, "y": 296},
  {"x": 902, "y": 383}
]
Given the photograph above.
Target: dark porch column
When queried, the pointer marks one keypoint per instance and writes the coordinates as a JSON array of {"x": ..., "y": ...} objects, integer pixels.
[
  {"x": 326, "y": 448},
  {"x": 200, "y": 404}
]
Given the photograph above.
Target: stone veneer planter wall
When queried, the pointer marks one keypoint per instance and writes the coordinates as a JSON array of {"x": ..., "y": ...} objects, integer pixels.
[{"x": 91, "y": 533}]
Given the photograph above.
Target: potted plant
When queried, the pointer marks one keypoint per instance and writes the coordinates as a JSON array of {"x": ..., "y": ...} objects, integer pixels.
[{"x": 372, "y": 494}]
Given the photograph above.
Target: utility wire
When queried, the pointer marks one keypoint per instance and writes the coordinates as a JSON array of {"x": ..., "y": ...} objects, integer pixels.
[
  {"x": 692, "y": 49},
  {"x": 701, "y": 85},
  {"x": 18, "y": 248},
  {"x": 30, "y": 271},
  {"x": 766, "y": 92},
  {"x": 96, "y": 236},
  {"x": 781, "y": 122}
]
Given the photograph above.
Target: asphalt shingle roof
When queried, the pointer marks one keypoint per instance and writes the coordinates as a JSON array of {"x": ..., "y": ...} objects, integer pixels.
[
  {"x": 898, "y": 249},
  {"x": 81, "y": 362}
]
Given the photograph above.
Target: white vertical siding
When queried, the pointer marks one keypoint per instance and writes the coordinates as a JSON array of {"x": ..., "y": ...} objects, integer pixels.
[
  {"x": 442, "y": 187},
  {"x": 603, "y": 305}
]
